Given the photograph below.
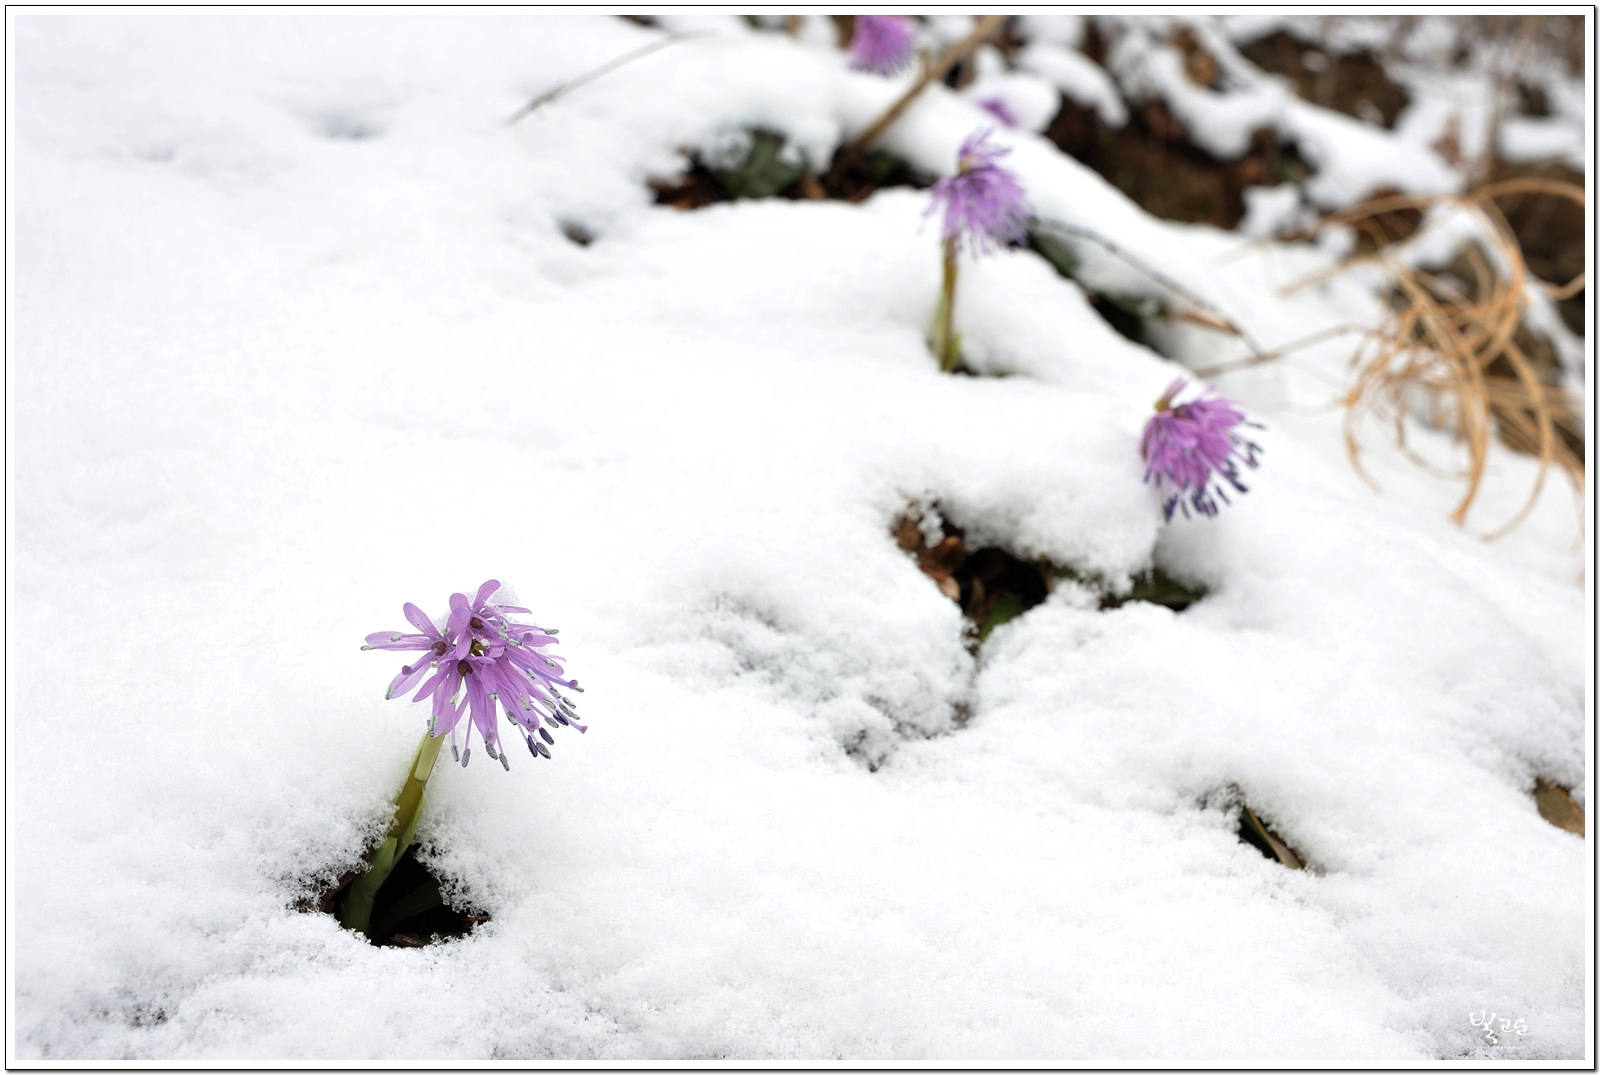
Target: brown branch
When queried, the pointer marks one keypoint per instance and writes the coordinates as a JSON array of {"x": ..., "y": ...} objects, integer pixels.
[{"x": 930, "y": 74}]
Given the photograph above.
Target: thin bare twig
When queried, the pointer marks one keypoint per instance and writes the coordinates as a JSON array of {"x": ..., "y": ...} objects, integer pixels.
[
  {"x": 1211, "y": 372},
  {"x": 605, "y": 68},
  {"x": 930, "y": 74},
  {"x": 1217, "y": 318}
]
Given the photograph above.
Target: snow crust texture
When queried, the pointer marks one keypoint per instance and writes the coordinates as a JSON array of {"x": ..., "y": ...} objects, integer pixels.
[{"x": 297, "y": 336}]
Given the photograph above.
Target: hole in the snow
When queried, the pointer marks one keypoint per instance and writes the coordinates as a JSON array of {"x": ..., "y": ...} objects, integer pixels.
[
  {"x": 1256, "y": 832},
  {"x": 1557, "y": 806},
  {"x": 347, "y": 128},
  {"x": 410, "y": 909},
  {"x": 577, "y": 233},
  {"x": 873, "y": 170},
  {"x": 1155, "y": 587},
  {"x": 762, "y": 164},
  {"x": 994, "y": 586},
  {"x": 1121, "y": 314},
  {"x": 964, "y": 370},
  {"x": 990, "y": 584},
  {"x": 1126, "y": 314},
  {"x": 1532, "y": 101}
]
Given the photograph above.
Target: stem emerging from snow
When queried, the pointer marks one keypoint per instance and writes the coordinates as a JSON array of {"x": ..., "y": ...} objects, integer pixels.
[
  {"x": 946, "y": 347},
  {"x": 356, "y": 910}
]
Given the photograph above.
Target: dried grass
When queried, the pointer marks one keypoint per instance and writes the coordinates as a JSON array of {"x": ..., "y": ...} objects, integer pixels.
[{"x": 1455, "y": 352}]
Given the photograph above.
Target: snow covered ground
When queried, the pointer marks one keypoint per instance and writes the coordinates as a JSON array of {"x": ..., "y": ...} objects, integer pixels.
[{"x": 296, "y": 336}]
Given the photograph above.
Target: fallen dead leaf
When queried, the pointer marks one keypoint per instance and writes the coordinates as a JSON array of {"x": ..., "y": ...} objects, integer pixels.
[{"x": 1558, "y": 807}]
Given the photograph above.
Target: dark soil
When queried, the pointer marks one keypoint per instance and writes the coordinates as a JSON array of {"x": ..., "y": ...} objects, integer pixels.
[
  {"x": 409, "y": 911},
  {"x": 1551, "y": 232},
  {"x": 1126, "y": 314},
  {"x": 1541, "y": 356},
  {"x": 1353, "y": 83},
  {"x": 1379, "y": 230},
  {"x": 764, "y": 173},
  {"x": 1152, "y": 160},
  {"x": 993, "y": 586}
]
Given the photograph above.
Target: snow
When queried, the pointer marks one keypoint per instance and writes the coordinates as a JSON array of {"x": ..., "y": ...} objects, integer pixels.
[
  {"x": 1078, "y": 77},
  {"x": 1220, "y": 123},
  {"x": 296, "y": 337},
  {"x": 1355, "y": 160},
  {"x": 1033, "y": 100},
  {"x": 1445, "y": 103},
  {"x": 1526, "y": 140},
  {"x": 1064, "y": 28},
  {"x": 1270, "y": 211}
]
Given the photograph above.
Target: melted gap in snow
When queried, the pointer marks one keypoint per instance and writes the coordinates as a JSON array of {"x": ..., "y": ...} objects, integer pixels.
[
  {"x": 577, "y": 233},
  {"x": 346, "y": 128},
  {"x": 1256, "y": 832},
  {"x": 1126, "y": 314},
  {"x": 993, "y": 585},
  {"x": 761, "y": 164},
  {"x": 409, "y": 911}
]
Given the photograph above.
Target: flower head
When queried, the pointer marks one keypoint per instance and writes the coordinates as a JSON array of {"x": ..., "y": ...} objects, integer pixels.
[
  {"x": 881, "y": 43},
  {"x": 984, "y": 204},
  {"x": 1194, "y": 447},
  {"x": 483, "y": 662},
  {"x": 997, "y": 107}
]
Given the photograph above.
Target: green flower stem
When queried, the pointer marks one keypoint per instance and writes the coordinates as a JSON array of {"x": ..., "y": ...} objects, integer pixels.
[
  {"x": 356, "y": 910},
  {"x": 946, "y": 345}
]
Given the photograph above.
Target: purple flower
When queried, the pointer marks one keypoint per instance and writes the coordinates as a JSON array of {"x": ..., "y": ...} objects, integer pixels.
[
  {"x": 997, "y": 107},
  {"x": 1192, "y": 445},
  {"x": 881, "y": 43},
  {"x": 482, "y": 663},
  {"x": 983, "y": 202}
]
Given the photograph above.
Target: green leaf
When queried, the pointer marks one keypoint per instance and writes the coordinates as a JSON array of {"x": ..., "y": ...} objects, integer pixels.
[
  {"x": 1057, "y": 252},
  {"x": 356, "y": 908},
  {"x": 355, "y": 911},
  {"x": 764, "y": 170},
  {"x": 423, "y": 896},
  {"x": 1007, "y": 607},
  {"x": 1159, "y": 588}
]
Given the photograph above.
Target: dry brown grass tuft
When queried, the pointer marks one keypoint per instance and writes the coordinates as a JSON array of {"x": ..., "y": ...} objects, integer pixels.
[{"x": 1456, "y": 352}]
